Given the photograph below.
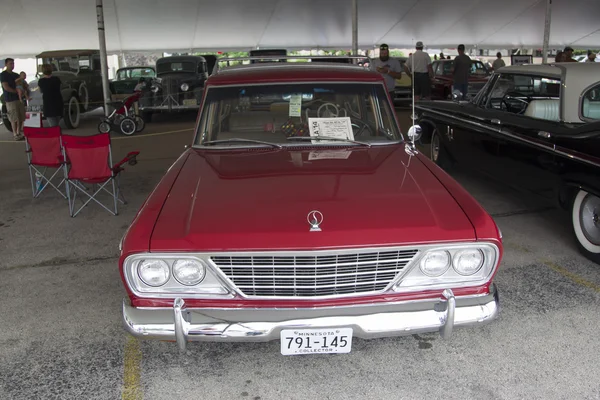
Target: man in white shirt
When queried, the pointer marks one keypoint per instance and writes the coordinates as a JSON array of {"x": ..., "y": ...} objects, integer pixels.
[
  {"x": 423, "y": 72},
  {"x": 388, "y": 67}
]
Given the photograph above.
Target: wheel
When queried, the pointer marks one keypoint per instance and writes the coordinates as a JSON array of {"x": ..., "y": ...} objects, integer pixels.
[
  {"x": 139, "y": 122},
  {"x": 72, "y": 113},
  {"x": 585, "y": 212},
  {"x": 84, "y": 98},
  {"x": 127, "y": 126},
  {"x": 104, "y": 126},
  {"x": 438, "y": 153}
]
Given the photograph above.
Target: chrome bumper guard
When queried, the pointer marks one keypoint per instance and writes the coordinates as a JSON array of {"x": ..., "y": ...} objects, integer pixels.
[{"x": 260, "y": 325}]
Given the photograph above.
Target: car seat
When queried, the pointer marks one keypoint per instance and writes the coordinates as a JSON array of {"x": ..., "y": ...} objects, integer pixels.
[{"x": 544, "y": 109}]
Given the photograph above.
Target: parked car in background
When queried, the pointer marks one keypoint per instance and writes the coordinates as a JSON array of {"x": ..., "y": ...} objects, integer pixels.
[
  {"x": 300, "y": 213},
  {"x": 127, "y": 78},
  {"x": 443, "y": 79},
  {"x": 532, "y": 126},
  {"x": 80, "y": 74},
  {"x": 178, "y": 85}
]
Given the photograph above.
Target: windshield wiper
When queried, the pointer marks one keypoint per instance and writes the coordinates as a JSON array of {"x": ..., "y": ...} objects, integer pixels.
[
  {"x": 243, "y": 140},
  {"x": 336, "y": 139}
]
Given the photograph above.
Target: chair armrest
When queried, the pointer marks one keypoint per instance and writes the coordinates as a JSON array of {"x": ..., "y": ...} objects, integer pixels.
[{"x": 129, "y": 158}]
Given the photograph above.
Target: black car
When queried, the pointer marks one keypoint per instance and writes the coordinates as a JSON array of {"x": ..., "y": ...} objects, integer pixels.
[
  {"x": 536, "y": 127},
  {"x": 178, "y": 85}
]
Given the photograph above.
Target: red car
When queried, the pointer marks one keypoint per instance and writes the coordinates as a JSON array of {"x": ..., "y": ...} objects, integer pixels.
[
  {"x": 443, "y": 80},
  {"x": 302, "y": 214}
]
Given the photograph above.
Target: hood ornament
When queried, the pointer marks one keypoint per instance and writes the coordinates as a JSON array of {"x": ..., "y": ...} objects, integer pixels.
[{"x": 315, "y": 219}]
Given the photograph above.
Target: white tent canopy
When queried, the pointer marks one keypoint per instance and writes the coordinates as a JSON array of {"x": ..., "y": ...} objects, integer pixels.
[{"x": 28, "y": 27}]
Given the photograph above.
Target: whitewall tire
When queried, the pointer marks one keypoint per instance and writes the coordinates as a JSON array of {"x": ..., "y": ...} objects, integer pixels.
[{"x": 585, "y": 213}]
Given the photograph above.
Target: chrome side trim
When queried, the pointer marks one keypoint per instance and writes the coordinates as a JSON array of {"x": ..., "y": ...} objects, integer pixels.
[{"x": 509, "y": 133}]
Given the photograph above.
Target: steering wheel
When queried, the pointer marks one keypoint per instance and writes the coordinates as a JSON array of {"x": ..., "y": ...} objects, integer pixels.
[
  {"x": 362, "y": 128},
  {"x": 329, "y": 110},
  {"x": 513, "y": 96}
]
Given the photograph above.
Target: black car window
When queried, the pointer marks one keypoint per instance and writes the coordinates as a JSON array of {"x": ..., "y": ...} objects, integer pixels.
[
  {"x": 590, "y": 105},
  {"x": 514, "y": 92},
  {"x": 166, "y": 67}
]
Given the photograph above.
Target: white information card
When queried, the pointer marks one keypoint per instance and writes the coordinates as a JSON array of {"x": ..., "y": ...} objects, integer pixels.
[{"x": 339, "y": 128}]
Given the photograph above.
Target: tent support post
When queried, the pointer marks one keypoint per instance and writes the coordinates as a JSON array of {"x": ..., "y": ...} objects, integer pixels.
[
  {"x": 354, "y": 27},
  {"x": 547, "y": 31},
  {"x": 103, "y": 55}
]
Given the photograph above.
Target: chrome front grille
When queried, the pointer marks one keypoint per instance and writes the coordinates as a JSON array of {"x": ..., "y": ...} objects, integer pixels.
[{"x": 307, "y": 275}]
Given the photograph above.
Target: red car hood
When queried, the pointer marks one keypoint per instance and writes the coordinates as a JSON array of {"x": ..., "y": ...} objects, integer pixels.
[{"x": 260, "y": 200}]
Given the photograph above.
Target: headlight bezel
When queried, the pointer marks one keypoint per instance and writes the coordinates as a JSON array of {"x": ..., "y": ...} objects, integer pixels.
[
  {"x": 413, "y": 279},
  {"x": 211, "y": 286}
]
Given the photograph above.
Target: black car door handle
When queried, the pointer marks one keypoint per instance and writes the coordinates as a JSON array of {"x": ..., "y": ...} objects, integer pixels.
[
  {"x": 496, "y": 121},
  {"x": 545, "y": 135}
]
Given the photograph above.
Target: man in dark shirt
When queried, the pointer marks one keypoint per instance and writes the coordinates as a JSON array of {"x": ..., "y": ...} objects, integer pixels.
[
  {"x": 14, "y": 108},
  {"x": 462, "y": 70}
]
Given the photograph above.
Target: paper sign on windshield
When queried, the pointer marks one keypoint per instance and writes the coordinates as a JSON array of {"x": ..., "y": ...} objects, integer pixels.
[
  {"x": 340, "y": 128},
  {"x": 296, "y": 105},
  {"x": 329, "y": 155}
]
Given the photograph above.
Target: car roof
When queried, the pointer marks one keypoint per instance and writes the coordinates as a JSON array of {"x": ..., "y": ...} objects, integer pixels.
[
  {"x": 67, "y": 53},
  {"x": 293, "y": 72},
  {"x": 583, "y": 71}
]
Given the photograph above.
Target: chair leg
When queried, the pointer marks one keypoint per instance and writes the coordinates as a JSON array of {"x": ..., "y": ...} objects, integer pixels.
[
  {"x": 115, "y": 195},
  {"x": 31, "y": 173}
]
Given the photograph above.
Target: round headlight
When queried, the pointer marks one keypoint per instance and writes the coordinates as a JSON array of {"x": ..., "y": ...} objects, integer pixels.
[
  {"x": 155, "y": 89},
  {"x": 468, "y": 262},
  {"x": 185, "y": 87},
  {"x": 435, "y": 263},
  {"x": 153, "y": 272},
  {"x": 189, "y": 272}
]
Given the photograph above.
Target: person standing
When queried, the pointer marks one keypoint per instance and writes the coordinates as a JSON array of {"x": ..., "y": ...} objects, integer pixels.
[
  {"x": 51, "y": 96},
  {"x": 14, "y": 107},
  {"x": 388, "y": 67},
  {"x": 420, "y": 64},
  {"x": 461, "y": 72},
  {"x": 568, "y": 51},
  {"x": 498, "y": 62},
  {"x": 591, "y": 57}
]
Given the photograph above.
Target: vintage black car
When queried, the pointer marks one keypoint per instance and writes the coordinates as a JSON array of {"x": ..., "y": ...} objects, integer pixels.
[
  {"x": 80, "y": 74},
  {"x": 533, "y": 126},
  {"x": 178, "y": 85}
]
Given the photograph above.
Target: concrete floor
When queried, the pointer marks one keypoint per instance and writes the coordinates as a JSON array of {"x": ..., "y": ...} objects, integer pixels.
[{"x": 60, "y": 320}]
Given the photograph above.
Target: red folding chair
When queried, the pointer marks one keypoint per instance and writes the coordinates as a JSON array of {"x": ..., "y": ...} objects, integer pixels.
[
  {"x": 43, "y": 147},
  {"x": 89, "y": 162}
]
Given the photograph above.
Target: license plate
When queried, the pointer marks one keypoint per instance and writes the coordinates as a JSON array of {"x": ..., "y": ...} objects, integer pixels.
[
  {"x": 315, "y": 341},
  {"x": 190, "y": 102}
]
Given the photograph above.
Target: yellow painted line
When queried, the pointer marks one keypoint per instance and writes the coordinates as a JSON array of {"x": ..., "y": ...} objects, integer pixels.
[
  {"x": 132, "y": 361},
  {"x": 574, "y": 277},
  {"x": 151, "y": 134}
]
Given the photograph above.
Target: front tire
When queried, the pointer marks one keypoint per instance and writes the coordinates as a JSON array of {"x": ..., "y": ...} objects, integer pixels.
[
  {"x": 84, "y": 97},
  {"x": 439, "y": 155},
  {"x": 585, "y": 218},
  {"x": 104, "y": 126},
  {"x": 72, "y": 113},
  {"x": 127, "y": 126}
]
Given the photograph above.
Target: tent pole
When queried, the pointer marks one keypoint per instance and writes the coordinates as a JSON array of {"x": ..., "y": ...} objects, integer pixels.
[
  {"x": 103, "y": 55},
  {"x": 547, "y": 31},
  {"x": 354, "y": 27}
]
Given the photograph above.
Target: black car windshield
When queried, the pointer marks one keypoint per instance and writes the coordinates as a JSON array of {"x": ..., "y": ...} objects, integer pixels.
[
  {"x": 349, "y": 114},
  {"x": 166, "y": 67}
]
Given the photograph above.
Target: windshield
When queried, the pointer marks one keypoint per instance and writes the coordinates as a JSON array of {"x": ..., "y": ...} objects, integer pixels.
[
  {"x": 135, "y": 73},
  {"x": 294, "y": 114},
  {"x": 166, "y": 66}
]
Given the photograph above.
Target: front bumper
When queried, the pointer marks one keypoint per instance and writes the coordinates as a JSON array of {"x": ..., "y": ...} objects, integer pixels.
[{"x": 260, "y": 325}]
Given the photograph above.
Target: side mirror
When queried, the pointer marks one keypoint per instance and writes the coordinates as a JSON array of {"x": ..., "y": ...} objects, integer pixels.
[
  {"x": 456, "y": 95},
  {"x": 415, "y": 132}
]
